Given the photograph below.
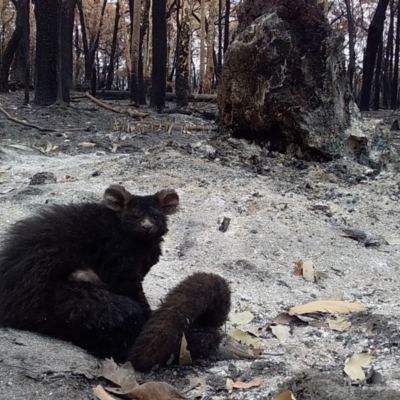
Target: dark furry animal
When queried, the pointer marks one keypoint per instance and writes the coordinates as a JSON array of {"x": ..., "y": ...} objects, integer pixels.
[{"x": 76, "y": 271}]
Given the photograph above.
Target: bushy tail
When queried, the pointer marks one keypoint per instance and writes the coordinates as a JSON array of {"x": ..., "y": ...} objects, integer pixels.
[{"x": 198, "y": 306}]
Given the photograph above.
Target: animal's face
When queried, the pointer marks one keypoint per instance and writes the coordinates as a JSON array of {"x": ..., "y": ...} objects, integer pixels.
[{"x": 143, "y": 216}]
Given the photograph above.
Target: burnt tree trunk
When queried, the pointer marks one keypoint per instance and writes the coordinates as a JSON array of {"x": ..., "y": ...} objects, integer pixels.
[
  {"x": 378, "y": 76},
  {"x": 393, "y": 101},
  {"x": 159, "y": 70},
  {"x": 388, "y": 59},
  {"x": 66, "y": 37},
  {"x": 284, "y": 83},
  {"x": 352, "y": 57},
  {"x": 375, "y": 32},
  {"x": 227, "y": 18},
  {"x": 46, "y": 14},
  {"x": 12, "y": 45},
  {"x": 182, "y": 49},
  {"x": 110, "y": 68}
]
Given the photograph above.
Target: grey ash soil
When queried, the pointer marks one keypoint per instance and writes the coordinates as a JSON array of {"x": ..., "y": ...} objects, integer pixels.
[{"x": 280, "y": 209}]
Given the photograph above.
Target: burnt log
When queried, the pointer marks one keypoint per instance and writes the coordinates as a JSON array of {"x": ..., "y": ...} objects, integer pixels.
[{"x": 284, "y": 83}]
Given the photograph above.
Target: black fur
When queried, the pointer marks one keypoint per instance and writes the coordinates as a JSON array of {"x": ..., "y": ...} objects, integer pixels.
[{"x": 44, "y": 286}]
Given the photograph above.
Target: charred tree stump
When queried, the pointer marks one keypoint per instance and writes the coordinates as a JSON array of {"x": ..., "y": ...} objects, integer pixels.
[{"x": 284, "y": 81}]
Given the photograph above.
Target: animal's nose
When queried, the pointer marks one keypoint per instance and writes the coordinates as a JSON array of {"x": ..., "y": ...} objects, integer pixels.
[{"x": 146, "y": 225}]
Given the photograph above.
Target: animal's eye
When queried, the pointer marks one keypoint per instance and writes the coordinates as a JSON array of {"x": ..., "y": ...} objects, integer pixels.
[{"x": 156, "y": 217}]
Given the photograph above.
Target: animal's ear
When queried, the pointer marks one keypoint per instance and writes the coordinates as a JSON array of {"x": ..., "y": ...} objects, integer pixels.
[
  {"x": 116, "y": 197},
  {"x": 169, "y": 201}
]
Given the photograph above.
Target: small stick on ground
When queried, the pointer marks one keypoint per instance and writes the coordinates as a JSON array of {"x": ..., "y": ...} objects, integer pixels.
[
  {"x": 18, "y": 121},
  {"x": 133, "y": 114}
]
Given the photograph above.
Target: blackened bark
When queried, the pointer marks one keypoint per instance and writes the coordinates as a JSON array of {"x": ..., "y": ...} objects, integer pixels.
[
  {"x": 143, "y": 29},
  {"x": 12, "y": 46},
  {"x": 393, "y": 101},
  {"x": 46, "y": 13},
  {"x": 375, "y": 32},
  {"x": 110, "y": 68},
  {"x": 182, "y": 50},
  {"x": 219, "y": 62},
  {"x": 388, "y": 59},
  {"x": 90, "y": 49},
  {"x": 66, "y": 37},
  {"x": 227, "y": 17},
  {"x": 159, "y": 69},
  {"x": 378, "y": 76},
  {"x": 352, "y": 58},
  {"x": 25, "y": 44}
]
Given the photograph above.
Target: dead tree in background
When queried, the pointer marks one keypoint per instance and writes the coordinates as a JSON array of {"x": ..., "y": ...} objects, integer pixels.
[
  {"x": 89, "y": 49},
  {"x": 26, "y": 45},
  {"x": 159, "y": 69},
  {"x": 227, "y": 18},
  {"x": 12, "y": 44},
  {"x": 135, "y": 45},
  {"x": 46, "y": 14},
  {"x": 67, "y": 14},
  {"x": 110, "y": 68},
  {"x": 393, "y": 101},
  {"x": 352, "y": 57},
  {"x": 182, "y": 56},
  {"x": 375, "y": 32},
  {"x": 387, "y": 68}
]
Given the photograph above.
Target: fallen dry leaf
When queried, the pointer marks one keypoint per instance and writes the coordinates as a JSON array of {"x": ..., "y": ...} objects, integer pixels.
[
  {"x": 392, "y": 240},
  {"x": 320, "y": 274},
  {"x": 230, "y": 384},
  {"x": 254, "y": 331},
  {"x": 199, "y": 384},
  {"x": 298, "y": 271},
  {"x": 101, "y": 394},
  {"x": 308, "y": 271},
  {"x": 243, "y": 338},
  {"x": 155, "y": 391},
  {"x": 340, "y": 325},
  {"x": 233, "y": 349},
  {"x": 280, "y": 331},
  {"x": 123, "y": 376},
  {"x": 354, "y": 366},
  {"x": 195, "y": 382},
  {"x": 328, "y": 306},
  {"x": 21, "y": 147},
  {"x": 185, "y": 357},
  {"x": 86, "y": 144},
  {"x": 287, "y": 395},
  {"x": 242, "y": 318},
  {"x": 284, "y": 319}
]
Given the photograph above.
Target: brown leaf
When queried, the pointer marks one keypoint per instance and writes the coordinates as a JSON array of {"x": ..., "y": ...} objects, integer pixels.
[
  {"x": 280, "y": 331},
  {"x": 287, "y": 395},
  {"x": 230, "y": 384},
  {"x": 299, "y": 268},
  {"x": 101, "y": 394},
  {"x": 233, "y": 349},
  {"x": 284, "y": 319},
  {"x": 245, "y": 339},
  {"x": 185, "y": 357},
  {"x": 242, "y": 318},
  {"x": 328, "y": 306},
  {"x": 339, "y": 325},
  {"x": 155, "y": 391},
  {"x": 123, "y": 376},
  {"x": 353, "y": 366}
]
